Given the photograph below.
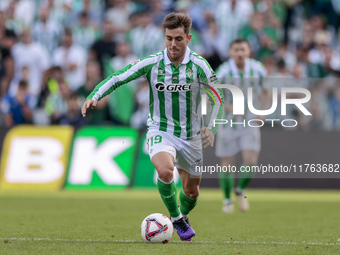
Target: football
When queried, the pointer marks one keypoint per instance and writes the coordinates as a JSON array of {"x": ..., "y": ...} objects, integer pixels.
[{"x": 157, "y": 228}]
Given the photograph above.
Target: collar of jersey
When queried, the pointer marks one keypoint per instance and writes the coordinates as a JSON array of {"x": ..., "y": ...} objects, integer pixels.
[
  {"x": 246, "y": 66},
  {"x": 185, "y": 60}
]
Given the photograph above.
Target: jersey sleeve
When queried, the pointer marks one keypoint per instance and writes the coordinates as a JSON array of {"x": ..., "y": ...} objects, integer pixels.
[
  {"x": 223, "y": 75},
  {"x": 131, "y": 72},
  {"x": 262, "y": 70},
  {"x": 208, "y": 77}
]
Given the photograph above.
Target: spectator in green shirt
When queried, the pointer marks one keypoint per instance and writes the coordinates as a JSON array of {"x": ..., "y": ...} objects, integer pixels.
[
  {"x": 262, "y": 37},
  {"x": 273, "y": 10}
]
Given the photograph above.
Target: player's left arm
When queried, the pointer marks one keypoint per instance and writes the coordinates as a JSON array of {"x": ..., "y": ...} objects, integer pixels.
[{"x": 216, "y": 99}]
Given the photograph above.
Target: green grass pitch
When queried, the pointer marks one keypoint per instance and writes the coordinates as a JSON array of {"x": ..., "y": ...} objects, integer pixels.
[{"x": 75, "y": 222}]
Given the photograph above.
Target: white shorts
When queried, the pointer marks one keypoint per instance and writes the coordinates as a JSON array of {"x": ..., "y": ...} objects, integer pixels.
[
  {"x": 229, "y": 141},
  {"x": 187, "y": 154}
]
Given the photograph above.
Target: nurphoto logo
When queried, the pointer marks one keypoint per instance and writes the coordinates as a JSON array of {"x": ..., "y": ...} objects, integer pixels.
[{"x": 239, "y": 105}]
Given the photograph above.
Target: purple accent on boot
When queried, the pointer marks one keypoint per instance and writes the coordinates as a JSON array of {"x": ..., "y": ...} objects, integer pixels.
[{"x": 184, "y": 231}]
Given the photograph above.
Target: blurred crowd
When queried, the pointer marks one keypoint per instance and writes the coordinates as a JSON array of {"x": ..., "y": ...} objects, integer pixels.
[{"x": 54, "y": 52}]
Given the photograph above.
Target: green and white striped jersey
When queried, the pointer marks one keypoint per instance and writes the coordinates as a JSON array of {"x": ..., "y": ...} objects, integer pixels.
[
  {"x": 252, "y": 76},
  {"x": 174, "y": 91},
  {"x": 85, "y": 36}
]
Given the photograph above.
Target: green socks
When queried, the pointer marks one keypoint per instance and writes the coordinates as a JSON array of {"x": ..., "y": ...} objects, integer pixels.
[
  {"x": 243, "y": 183},
  {"x": 168, "y": 194},
  {"x": 187, "y": 203},
  {"x": 244, "y": 180},
  {"x": 227, "y": 183}
]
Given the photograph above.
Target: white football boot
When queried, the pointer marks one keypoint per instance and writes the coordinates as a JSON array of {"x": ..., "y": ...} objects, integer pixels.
[{"x": 228, "y": 206}]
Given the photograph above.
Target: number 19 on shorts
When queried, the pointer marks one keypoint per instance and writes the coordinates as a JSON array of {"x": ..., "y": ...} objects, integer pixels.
[{"x": 154, "y": 140}]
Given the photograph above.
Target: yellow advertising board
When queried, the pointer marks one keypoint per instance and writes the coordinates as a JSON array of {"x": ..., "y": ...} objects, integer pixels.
[{"x": 35, "y": 157}]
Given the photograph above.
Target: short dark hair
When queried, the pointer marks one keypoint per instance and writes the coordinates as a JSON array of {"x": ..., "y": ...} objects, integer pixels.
[
  {"x": 68, "y": 31},
  {"x": 143, "y": 13},
  {"x": 281, "y": 64},
  {"x": 84, "y": 15},
  {"x": 239, "y": 40},
  {"x": 73, "y": 95},
  {"x": 23, "y": 84},
  {"x": 176, "y": 20},
  {"x": 56, "y": 68},
  {"x": 10, "y": 34}
]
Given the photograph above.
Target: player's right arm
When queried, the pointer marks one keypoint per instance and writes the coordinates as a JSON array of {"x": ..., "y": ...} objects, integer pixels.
[{"x": 131, "y": 72}]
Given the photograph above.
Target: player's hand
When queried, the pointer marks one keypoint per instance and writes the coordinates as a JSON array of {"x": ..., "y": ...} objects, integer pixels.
[
  {"x": 208, "y": 137},
  {"x": 87, "y": 104}
]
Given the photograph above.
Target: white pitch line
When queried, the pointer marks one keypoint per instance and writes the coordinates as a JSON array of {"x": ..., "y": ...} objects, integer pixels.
[{"x": 140, "y": 241}]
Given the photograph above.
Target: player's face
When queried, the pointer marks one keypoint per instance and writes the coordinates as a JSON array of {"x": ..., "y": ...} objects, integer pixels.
[
  {"x": 239, "y": 52},
  {"x": 67, "y": 40},
  {"x": 176, "y": 42}
]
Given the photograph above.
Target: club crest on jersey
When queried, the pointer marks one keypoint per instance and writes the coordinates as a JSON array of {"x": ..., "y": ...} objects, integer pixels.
[
  {"x": 160, "y": 86},
  {"x": 174, "y": 79},
  {"x": 189, "y": 73}
]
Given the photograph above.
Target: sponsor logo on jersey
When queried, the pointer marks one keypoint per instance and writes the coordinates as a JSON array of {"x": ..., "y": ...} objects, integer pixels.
[
  {"x": 160, "y": 86},
  {"x": 174, "y": 79},
  {"x": 161, "y": 72},
  {"x": 213, "y": 78}
]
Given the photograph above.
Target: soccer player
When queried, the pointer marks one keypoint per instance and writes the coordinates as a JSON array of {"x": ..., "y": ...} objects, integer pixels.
[
  {"x": 241, "y": 71},
  {"x": 174, "y": 132}
]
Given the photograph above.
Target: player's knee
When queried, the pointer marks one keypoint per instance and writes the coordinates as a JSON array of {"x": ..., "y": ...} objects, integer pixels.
[
  {"x": 250, "y": 162},
  {"x": 165, "y": 173},
  {"x": 192, "y": 193},
  {"x": 227, "y": 161}
]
